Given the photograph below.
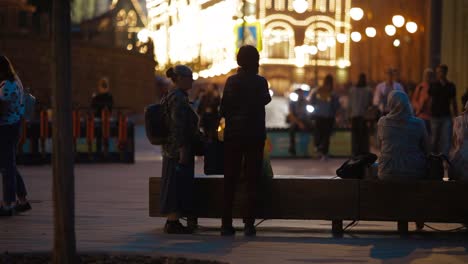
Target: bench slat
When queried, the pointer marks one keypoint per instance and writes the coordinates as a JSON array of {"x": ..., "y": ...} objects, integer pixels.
[{"x": 281, "y": 199}]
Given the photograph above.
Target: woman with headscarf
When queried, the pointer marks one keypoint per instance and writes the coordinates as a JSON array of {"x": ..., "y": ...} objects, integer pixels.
[
  {"x": 459, "y": 153},
  {"x": 403, "y": 140},
  {"x": 243, "y": 107}
]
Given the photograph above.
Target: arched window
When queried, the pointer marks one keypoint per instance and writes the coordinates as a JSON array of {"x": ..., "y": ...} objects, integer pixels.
[{"x": 278, "y": 40}]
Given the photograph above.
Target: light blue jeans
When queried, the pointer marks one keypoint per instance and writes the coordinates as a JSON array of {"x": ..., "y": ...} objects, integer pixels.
[{"x": 441, "y": 134}]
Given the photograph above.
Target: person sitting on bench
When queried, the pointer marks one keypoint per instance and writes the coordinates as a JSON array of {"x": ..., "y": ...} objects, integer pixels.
[
  {"x": 459, "y": 153},
  {"x": 403, "y": 140}
]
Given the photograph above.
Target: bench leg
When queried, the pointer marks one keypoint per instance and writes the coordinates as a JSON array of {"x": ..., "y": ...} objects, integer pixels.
[
  {"x": 337, "y": 227},
  {"x": 403, "y": 227}
]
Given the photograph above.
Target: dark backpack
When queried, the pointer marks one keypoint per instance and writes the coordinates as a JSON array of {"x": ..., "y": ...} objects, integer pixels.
[
  {"x": 156, "y": 122},
  {"x": 355, "y": 168}
]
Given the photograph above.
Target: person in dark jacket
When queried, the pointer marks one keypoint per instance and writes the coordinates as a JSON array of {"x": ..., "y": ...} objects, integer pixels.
[
  {"x": 177, "y": 180},
  {"x": 243, "y": 107},
  {"x": 208, "y": 111},
  {"x": 11, "y": 113},
  {"x": 103, "y": 99}
]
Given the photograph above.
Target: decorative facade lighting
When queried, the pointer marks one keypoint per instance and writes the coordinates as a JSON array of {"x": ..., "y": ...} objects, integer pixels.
[
  {"x": 371, "y": 32},
  {"x": 322, "y": 46},
  {"x": 356, "y": 36},
  {"x": 398, "y": 21},
  {"x": 341, "y": 37},
  {"x": 390, "y": 30},
  {"x": 356, "y": 13},
  {"x": 143, "y": 35},
  {"x": 411, "y": 27},
  {"x": 396, "y": 43},
  {"x": 300, "y": 6}
]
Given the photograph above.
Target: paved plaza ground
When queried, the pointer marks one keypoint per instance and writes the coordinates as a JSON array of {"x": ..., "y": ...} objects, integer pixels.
[{"x": 112, "y": 216}]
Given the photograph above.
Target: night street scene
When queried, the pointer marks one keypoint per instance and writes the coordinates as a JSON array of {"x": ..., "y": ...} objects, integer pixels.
[{"x": 233, "y": 131}]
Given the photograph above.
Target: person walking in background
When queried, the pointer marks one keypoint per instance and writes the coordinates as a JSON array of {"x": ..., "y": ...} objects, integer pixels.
[
  {"x": 102, "y": 99},
  {"x": 443, "y": 95},
  {"x": 298, "y": 119},
  {"x": 11, "y": 113},
  {"x": 325, "y": 104},
  {"x": 383, "y": 89},
  {"x": 360, "y": 99},
  {"x": 403, "y": 141},
  {"x": 459, "y": 152},
  {"x": 421, "y": 100},
  {"x": 177, "y": 180},
  {"x": 243, "y": 107},
  {"x": 208, "y": 110}
]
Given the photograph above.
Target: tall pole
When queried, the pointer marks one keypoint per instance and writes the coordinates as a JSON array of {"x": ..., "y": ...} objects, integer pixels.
[{"x": 62, "y": 157}]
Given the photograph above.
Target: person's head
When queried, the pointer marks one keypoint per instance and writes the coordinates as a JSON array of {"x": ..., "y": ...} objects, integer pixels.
[
  {"x": 7, "y": 72},
  {"x": 211, "y": 88},
  {"x": 162, "y": 84},
  {"x": 428, "y": 75},
  {"x": 103, "y": 85},
  {"x": 328, "y": 83},
  {"x": 441, "y": 72},
  {"x": 399, "y": 105},
  {"x": 300, "y": 93},
  {"x": 362, "y": 81},
  {"x": 390, "y": 75},
  {"x": 248, "y": 58},
  {"x": 182, "y": 77}
]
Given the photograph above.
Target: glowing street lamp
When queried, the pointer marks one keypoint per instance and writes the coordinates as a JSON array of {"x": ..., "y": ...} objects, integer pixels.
[
  {"x": 341, "y": 37},
  {"x": 390, "y": 30},
  {"x": 398, "y": 21},
  {"x": 356, "y": 36},
  {"x": 356, "y": 13},
  {"x": 396, "y": 43},
  {"x": 143, "y": 35},
  {"x": 411, "y": 27},
  {"x": 300, "y": 6}
]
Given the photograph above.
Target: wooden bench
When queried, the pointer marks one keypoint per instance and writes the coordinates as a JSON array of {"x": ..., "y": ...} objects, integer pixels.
[{"x": 336, "y": 200}]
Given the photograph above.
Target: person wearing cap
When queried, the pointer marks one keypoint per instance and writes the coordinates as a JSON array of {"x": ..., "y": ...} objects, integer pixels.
[
  {"x": 243, "y": 107},
  {"x": 444, "y": 107},
  {"x": 384, "y": 88},
  {"x": 459, "y": 152},
  {"x": 177, "y": 179}
]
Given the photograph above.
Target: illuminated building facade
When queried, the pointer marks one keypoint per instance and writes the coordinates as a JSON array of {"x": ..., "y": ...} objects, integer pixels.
[{"x": 293, "y": 45}]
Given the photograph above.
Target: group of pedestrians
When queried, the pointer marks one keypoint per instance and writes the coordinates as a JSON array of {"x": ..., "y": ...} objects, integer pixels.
[{"x": 243, "y": 107}]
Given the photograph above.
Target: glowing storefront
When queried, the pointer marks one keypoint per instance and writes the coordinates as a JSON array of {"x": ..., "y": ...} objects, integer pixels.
[{"x": 298, "y": 39}]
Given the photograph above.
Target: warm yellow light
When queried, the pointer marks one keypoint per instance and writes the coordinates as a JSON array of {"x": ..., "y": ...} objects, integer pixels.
[
  {"x": 129, "y": 47},
  {"x": 396, "y": 43},
  {"x": 312, "y": 50},
  {"x": 411, "y": 27},
  {"x": 390, "y": 30},
  {"x": 143, "y": 35},
  {"x": 356, "y": 36},
  {"x": 300, "y": 6},
  {"x": 331, "y": 41},
  {"x": 322, "y": 46},
  {"x": 371, "y": 32},
  {"x": 356, "y": 13},
  {"x": 341, "y": 37},
  {"x": 195, "y": 76},
  {"x": 398, "y": 21}
]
